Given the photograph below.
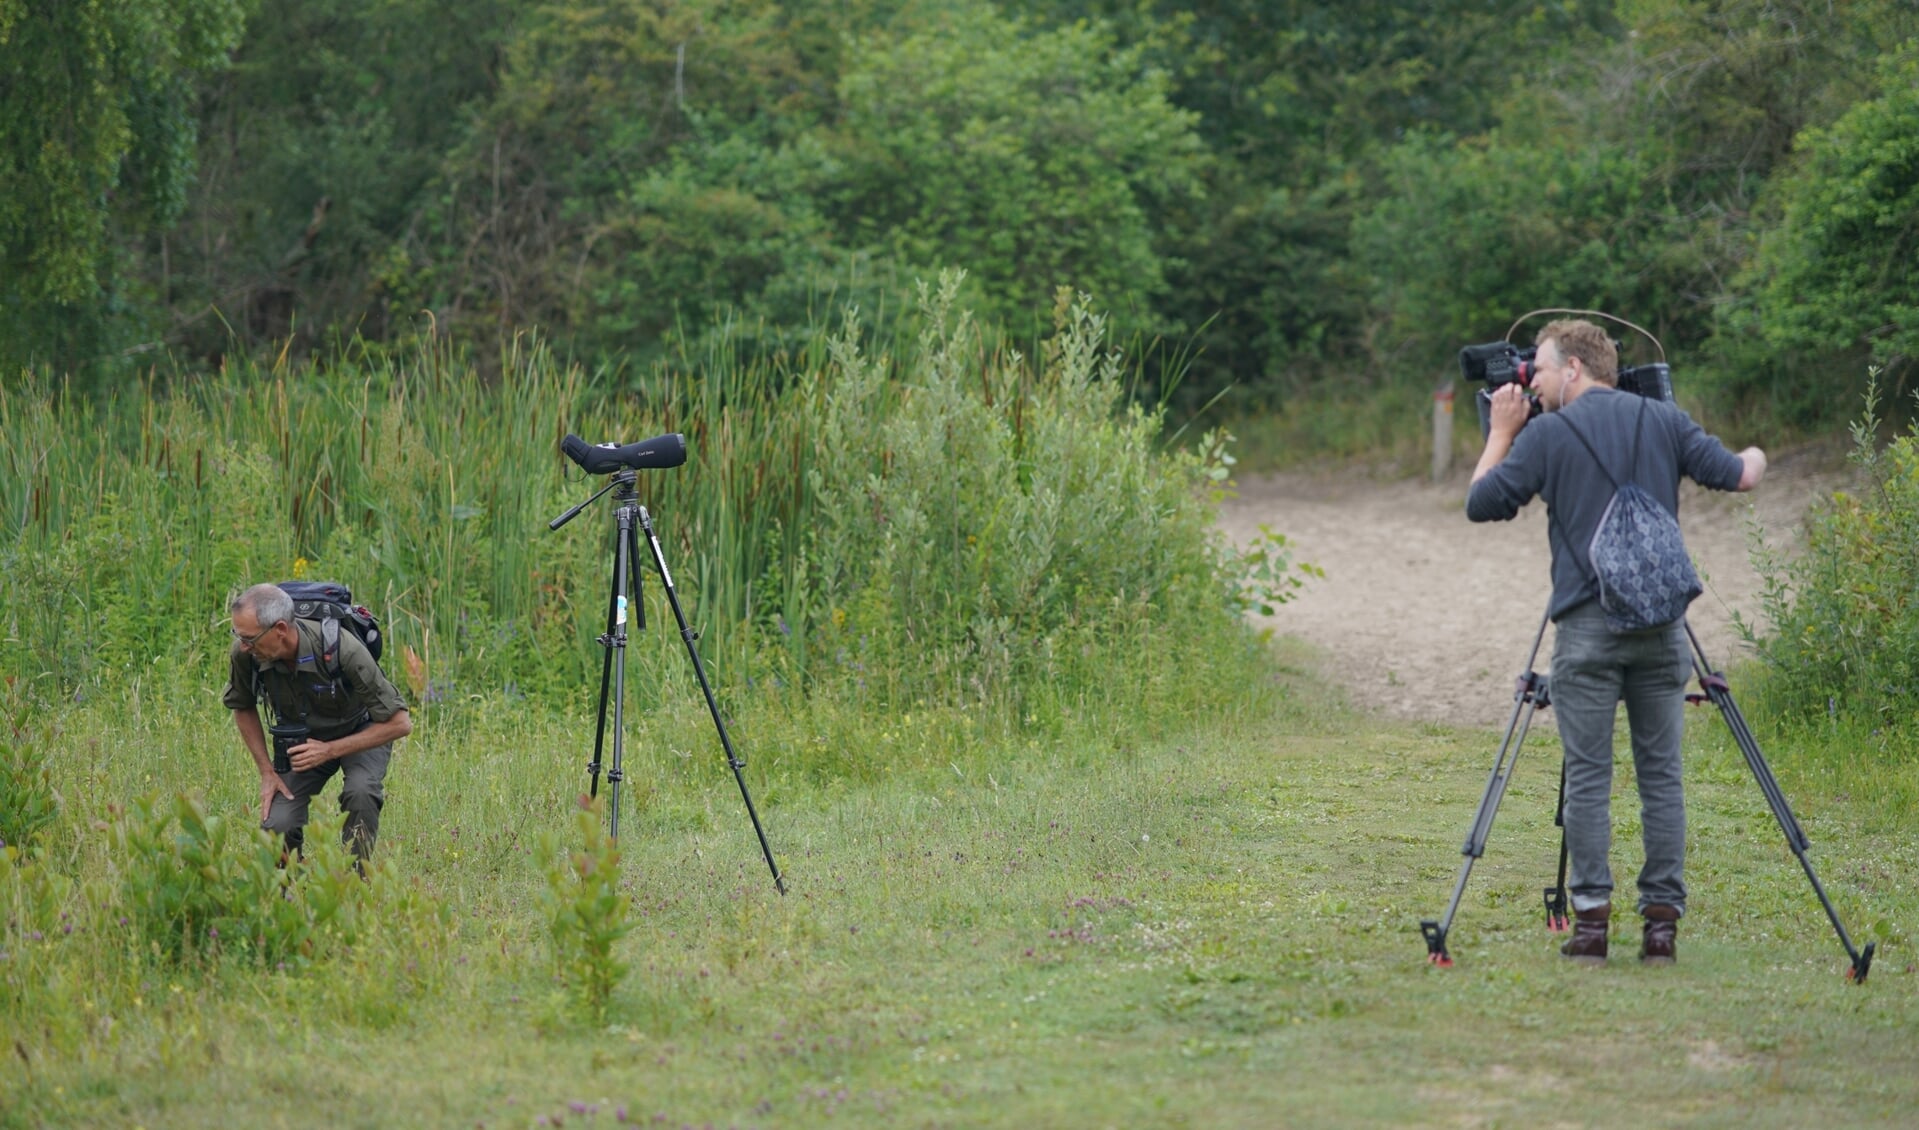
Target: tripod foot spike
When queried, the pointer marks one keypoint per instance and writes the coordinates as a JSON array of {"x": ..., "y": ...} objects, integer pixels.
[
  {"x": 1435, "y": 935},
  {"x": 1857, "y": 973},
  {"x": 1557, "y": 920}
]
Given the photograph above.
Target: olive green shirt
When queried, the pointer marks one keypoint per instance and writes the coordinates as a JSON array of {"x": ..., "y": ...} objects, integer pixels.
[{"x": 303, "y": 691}]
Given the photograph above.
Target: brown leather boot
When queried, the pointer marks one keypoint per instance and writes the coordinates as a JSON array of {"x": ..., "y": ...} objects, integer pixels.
[
  {"x": 1588, "y": 943},
  {"x": 1662, "y": 930}
]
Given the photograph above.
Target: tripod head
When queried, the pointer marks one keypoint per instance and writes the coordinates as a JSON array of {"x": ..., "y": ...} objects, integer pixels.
[{"x": 622, "y": 483}]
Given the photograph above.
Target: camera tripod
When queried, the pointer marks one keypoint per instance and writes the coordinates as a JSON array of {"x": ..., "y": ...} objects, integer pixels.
[
  {"x": 628, "y": 518},
  {"x": 1532, "y": 694}
]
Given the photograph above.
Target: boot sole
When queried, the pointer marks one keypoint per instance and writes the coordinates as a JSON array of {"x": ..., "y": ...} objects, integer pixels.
[
  {"x": 1658, "y": 961},
  {"x": 1585, "y": 960}
]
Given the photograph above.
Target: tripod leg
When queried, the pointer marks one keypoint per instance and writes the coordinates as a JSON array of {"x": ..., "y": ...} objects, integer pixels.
[
  {"x": 1557, "y": 920},
  {"x": 606, "y": 677},
  {"x": 1435, "y": 932},
  {"x": 706, "y": 688},
  {"x": 1719, "y": 692},
  {"x": 1529, "y": 696},
  {"x": 616, "y": 653}
]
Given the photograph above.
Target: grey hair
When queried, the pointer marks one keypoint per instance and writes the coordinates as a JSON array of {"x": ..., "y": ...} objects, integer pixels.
[{"x": 269, "y": 604}]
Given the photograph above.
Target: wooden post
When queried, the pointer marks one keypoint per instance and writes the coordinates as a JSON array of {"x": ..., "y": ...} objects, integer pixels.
[{"x": 1443, "y": 430}]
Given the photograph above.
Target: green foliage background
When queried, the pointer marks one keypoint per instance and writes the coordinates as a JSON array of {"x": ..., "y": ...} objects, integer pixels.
[{"x": 1292, "y": 193}]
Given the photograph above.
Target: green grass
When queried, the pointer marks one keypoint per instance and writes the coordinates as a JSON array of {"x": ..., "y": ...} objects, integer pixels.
[
  {"x": 1216, "y": 927},
  {"x": 1385, "y": 428}
]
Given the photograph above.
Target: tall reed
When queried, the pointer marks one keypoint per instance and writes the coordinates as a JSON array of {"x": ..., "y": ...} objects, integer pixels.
[{"x": 927, "y": 519}]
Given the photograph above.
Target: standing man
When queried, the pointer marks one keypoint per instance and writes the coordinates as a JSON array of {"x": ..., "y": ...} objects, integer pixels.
[
  {"x": 1594, "y": 669},
  {"x": 354, "y": 715}
]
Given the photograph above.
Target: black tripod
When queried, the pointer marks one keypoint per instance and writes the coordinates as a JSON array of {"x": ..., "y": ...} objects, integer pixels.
[
  {"x": 1533, "y": 694},
  {"x": 627, "y": 514}
]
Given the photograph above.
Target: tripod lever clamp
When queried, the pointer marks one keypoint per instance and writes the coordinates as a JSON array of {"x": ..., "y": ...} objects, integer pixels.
[{"x": 1557, "y": 920}]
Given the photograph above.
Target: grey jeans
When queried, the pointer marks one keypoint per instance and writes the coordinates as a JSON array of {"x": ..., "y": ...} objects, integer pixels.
[
  {"x": 362, "y": 794},
  {"x": 1594, "y": 670}
]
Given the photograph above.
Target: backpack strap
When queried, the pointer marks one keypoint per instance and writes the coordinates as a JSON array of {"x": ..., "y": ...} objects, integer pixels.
[
  {"x": 1552, "y": 517},
  {"x": 1639, "y": 429},
  {"x": 330, "y": 664},
  {"x": 330, "y": 647}
]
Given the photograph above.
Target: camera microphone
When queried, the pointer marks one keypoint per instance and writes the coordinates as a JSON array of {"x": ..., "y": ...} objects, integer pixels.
[{"x": 657, "y": 453}]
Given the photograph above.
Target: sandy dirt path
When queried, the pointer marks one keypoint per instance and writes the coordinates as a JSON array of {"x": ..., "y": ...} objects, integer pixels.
[{"x": 1427, "y": 616}]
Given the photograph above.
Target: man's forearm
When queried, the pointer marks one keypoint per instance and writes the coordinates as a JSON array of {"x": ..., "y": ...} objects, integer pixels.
[
  {"x": 1498, "y": 446},
  {"x": 253, "y": 736},
  {"x": 379, "y": 733}
]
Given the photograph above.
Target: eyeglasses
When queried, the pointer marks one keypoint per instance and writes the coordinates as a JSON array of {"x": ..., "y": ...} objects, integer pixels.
[{"x": 247, "y": 642}]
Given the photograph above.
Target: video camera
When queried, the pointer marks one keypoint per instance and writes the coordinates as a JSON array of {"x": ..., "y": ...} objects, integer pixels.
[{"x": 1501, "y": 363}]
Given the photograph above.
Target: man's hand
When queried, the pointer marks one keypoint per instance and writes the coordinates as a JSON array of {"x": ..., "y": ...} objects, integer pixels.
[
  {"x": 311, "y": 754},
  {"x": 1753, "y": 469},
  {"x": 1510, "y": 411},
  {"x": 271, "y": 783}
]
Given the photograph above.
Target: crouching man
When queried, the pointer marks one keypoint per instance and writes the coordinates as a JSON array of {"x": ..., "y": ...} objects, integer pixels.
[{"x": 351, "y": 713}]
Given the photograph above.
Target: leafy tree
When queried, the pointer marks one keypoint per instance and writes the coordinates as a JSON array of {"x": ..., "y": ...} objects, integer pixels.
[
  {"x": 593, "y": 145},
  {"x": 1623, "y": 175},
  {"x": 1837, "y": 280},
  {"x": 317, "y": 147},
  {"x": 727, "y": 224},
  {"x": 1033, "y": 158},
  {"x": 1297, "y": 100},
  {"x": 1472, "y": 235},
  {"x": 97, "y": 133},
  {"x": 643, "y": 170}
]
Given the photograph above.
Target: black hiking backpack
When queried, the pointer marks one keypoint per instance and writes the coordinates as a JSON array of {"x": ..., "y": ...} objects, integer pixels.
[
  {"x": 1637, "y": 556},
  {"x": 331, "y": 605}
]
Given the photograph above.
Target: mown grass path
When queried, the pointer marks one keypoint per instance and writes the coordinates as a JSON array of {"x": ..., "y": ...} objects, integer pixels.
[{"x": 1215, "y": 932}]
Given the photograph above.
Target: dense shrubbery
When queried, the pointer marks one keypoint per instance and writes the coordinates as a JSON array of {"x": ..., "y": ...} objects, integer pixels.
[
  {"x": 196, "y": 887},
  {"x": 1845, "y": 613},
  {"x": 937, "y": 523},
  {"x": 184, "y": 893}
]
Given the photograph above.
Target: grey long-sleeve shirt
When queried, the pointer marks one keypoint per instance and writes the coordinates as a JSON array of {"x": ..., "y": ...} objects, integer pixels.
[{"x": 1549, "y": 461}]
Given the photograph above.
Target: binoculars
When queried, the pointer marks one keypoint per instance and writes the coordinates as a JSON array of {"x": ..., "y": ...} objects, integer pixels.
[{"x": 285, "y": 736}]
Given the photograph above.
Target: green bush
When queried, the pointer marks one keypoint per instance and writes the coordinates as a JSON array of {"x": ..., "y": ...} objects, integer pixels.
[
  {"x": 586, "y": 912},
  {"x": 1845, "y": 614},
  {"x": 199, "y": 888},
  {"x": 28, "y": 802},
  {"x": 192, "y": 888},
  {"x": 985, "y": 531}
]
